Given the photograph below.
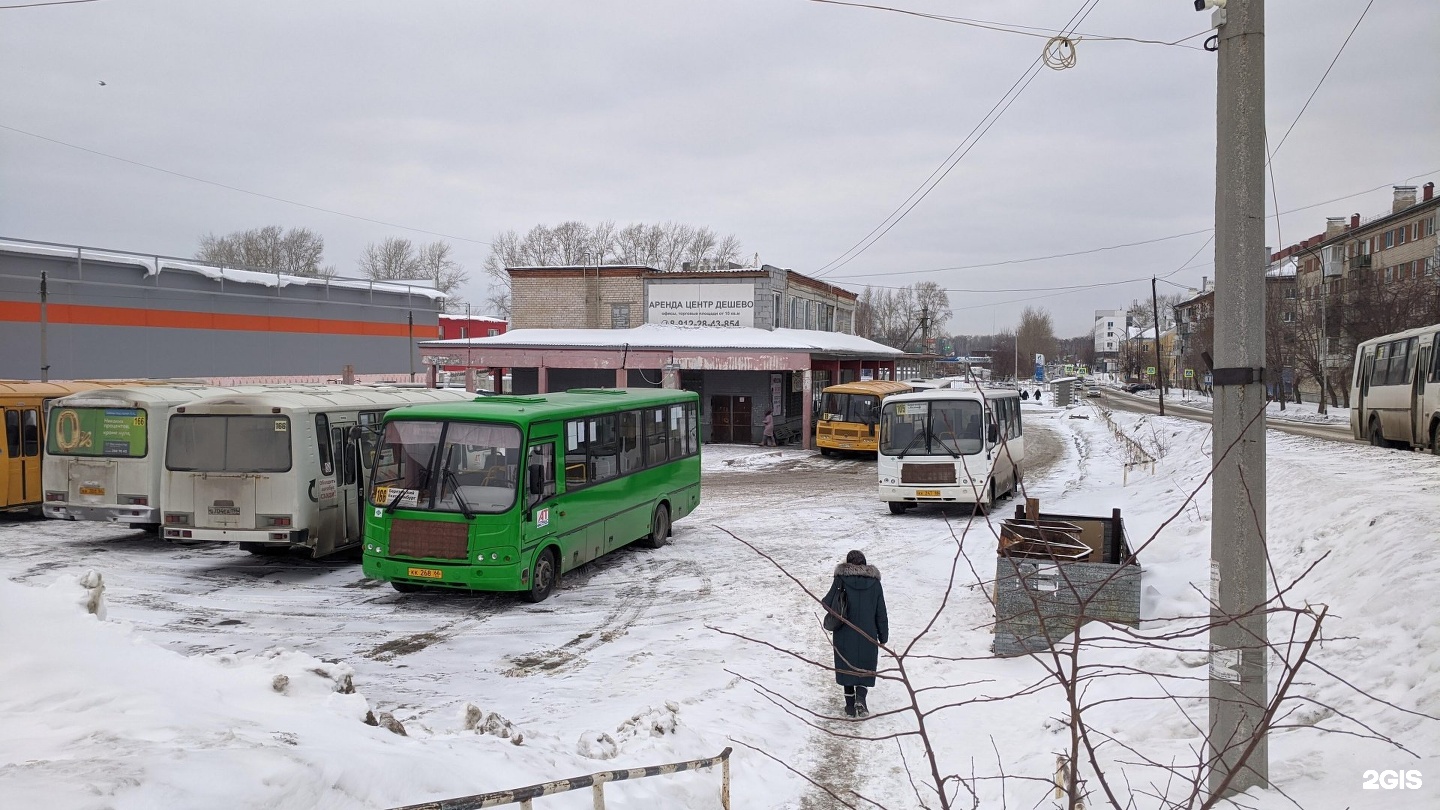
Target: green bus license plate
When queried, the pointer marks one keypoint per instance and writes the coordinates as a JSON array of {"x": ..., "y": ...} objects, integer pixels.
[
  {"x": 927, "y": 493},
  {"x": 425, "y": 573}
]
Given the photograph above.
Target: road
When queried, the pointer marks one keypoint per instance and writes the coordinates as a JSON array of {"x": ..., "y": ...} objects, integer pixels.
[{"x": 1129, "y": 402}]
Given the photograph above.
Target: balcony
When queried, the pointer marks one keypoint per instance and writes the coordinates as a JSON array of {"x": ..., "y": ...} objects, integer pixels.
[{"x": 1361, "y": 262}]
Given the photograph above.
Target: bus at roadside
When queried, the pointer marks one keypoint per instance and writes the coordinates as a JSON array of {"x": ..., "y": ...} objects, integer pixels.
[
  {"x": 280, "y": 469},
  {"x": 1395, "y": 390},
  {"x": 950, "y": 447},
  {"x": 849, "y": 413},
  {"x": 510, "y": 492}
]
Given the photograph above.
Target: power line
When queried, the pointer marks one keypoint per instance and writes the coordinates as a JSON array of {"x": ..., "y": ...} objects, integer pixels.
[
  {"x": 1012, "y": 28},
  {"x": 953, "y": 159},
  {"x": 1087, "y": 251},
  {"x": 1318, "y": 84},
  {"x": 226, "y": 186},
  {"x": 50, "y": 3}
]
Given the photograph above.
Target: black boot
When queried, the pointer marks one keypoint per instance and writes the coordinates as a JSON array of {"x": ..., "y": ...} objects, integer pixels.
[
  {"x": 861, "y": 710},
  {"x": 849, "y": 702}
]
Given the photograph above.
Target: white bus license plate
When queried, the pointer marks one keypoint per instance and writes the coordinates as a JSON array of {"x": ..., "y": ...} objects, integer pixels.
[{"x": 927, "y": 493}]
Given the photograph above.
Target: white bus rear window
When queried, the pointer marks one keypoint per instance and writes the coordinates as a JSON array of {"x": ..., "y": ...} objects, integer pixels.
[{"x": 221, "y": 443}]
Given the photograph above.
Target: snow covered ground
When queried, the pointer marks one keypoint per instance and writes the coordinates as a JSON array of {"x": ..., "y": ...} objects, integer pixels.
[
  {"x": 1294, "y": 411},
  {"x": 221, "y": 680}
]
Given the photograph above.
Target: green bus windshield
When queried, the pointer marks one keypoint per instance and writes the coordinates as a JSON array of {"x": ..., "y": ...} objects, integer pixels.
[{"x": 438, "y": 466}]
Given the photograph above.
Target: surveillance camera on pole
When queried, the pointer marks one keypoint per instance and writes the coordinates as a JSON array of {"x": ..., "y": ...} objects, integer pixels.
[{"x": 1201, "y": 5}]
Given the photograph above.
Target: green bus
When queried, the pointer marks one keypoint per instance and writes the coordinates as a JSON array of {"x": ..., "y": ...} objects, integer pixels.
[{"x": 506, "y": 493}]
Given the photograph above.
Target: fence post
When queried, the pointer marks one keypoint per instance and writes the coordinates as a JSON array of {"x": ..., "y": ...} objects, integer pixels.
[
  {"x": 725, "y": 782},
  {"x": 599, "y": 795}
]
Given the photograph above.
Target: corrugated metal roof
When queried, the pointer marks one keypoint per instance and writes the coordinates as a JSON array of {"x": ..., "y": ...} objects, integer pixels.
[{"x": 660, "y": 336}]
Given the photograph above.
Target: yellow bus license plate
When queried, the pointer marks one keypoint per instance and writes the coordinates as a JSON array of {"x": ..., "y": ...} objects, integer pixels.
[
  {"x": 927, "y": 493},
  {"x": 92, "y": 490},
  {"x": 425, "y": 573}
]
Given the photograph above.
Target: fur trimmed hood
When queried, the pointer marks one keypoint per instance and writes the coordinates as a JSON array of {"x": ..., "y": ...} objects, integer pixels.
[{"x": 849, "y": 570}]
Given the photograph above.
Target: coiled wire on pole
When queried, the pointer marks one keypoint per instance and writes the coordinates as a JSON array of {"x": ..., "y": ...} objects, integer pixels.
[{"x": 1059, "y": 53}]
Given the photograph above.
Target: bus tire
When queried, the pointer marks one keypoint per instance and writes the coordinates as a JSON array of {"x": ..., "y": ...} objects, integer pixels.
[
  {"x": 825, "y": 451},
  {"x": 659, "y": 528},
  {"x": 543, "y": 576},
  {"x": 898, "y": 507},
  {"x": 1377, "y": 436},
  {"x": 984, "y": 507},
  {"x": 1435, "y": 438}
]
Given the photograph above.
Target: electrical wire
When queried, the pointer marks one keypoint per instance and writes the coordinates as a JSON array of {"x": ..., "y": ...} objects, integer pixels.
[
  {"x": 50, "y": 3},
  {"x": 1324, "y": 76},
  {"x": 226, "y": 186},
  {"x": 889, "y": 273},
  {"x": 1012, "y": 28},
  {"x": 953, "y": 159}
]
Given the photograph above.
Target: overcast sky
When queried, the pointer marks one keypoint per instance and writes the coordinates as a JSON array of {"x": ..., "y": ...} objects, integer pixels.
[{"x": 795, "y": 125}]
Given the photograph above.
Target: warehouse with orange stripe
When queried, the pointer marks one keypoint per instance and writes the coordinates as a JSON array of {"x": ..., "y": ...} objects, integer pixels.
[{"x": 72, "y": 312}]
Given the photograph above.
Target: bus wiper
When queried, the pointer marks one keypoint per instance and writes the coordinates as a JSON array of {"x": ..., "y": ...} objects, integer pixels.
[
  {"x": 450, "y": 476},
  {"x": 953, "y": 452},
  {"x": 917, "y": 435},
  {"x": 420, "y": 482}
]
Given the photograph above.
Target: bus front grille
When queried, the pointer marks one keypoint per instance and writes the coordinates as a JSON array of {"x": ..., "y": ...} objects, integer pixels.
[
  {"x": 927, "y": 473},
  {"x": 430, "y": 539}
]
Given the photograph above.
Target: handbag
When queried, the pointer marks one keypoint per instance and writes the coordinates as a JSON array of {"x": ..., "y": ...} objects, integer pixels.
[{"x": 840, "y": 605}]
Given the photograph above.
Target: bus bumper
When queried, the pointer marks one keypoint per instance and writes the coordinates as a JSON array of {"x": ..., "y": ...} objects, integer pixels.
[
  {"x": 260, "y": 537},
  {"x": 447, "y": 573},
  {"x": 909, "y": 494},
  {"x": 105, "y": 513}
]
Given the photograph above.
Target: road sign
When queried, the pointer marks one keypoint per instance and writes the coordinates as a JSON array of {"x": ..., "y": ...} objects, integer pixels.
[
  {"x": 1150, "y": 370},
  {"x": 1189, "y": 373}
]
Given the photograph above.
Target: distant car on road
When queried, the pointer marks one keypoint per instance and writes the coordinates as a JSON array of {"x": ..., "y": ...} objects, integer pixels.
[
  {"x": 1136, "y": 388},
  {"x": 1092, "y": 390}
]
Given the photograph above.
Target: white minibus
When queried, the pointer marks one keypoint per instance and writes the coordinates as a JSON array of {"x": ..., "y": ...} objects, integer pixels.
[
  {"x": 278, "y": 469},
  {"x": 950, "y": 446},
  {"x": 104, "y": 450},
  {"x": 1395, "y": 393}
]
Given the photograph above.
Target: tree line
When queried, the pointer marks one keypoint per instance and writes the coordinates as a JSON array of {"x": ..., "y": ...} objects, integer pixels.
[{"x": 301, "y": 251}]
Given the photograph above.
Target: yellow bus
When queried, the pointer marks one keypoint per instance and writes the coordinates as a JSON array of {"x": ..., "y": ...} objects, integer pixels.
[
  {"x": 850, "y": 412},
  {"x": 22, "y": 410}
]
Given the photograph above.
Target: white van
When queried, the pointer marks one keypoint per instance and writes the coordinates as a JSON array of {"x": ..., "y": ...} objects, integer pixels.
[
  {"x": 104, "y": 450},
  {"x": 278, "y": 469}
]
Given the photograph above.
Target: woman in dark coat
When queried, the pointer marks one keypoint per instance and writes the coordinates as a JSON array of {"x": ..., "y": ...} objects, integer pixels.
[{"x": 856, "y": 655}]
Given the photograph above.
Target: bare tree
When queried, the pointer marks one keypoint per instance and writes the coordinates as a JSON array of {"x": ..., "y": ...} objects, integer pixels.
[
  {"x": 1036, "y": 335},
  {"x": 297, "y": 252},
  {"x": 396, "y": 259}
]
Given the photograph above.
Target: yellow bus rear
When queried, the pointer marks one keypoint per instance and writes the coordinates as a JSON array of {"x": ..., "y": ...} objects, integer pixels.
[
  {"x": 22, "y": 438},
  {"x": 850, "y": 414}
]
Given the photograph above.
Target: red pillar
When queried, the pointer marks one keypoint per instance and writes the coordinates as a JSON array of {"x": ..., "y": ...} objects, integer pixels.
[
  {"x": 622, "y": 378},
  {"x": 544, "y": 382}
]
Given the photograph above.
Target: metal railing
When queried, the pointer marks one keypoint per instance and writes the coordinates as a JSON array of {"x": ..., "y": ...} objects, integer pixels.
[{"x": 595, "y": 781}]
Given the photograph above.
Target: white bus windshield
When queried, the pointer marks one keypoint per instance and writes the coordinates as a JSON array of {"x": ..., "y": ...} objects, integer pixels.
[
  {"x": 475, "y": 471},
  {"x": 223, "y": 443},
  {"x": 934, "y": 428}
]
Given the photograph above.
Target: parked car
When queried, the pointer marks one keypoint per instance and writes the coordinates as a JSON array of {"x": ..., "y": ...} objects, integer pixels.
[{"x": 1136, "y": 388}]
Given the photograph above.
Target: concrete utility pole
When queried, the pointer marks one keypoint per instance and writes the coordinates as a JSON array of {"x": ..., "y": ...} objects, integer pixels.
[{"x": 1238, "y": 647}]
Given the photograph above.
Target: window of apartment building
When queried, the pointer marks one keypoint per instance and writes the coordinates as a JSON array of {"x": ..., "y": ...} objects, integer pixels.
[
  {"x": 1389, "y": 239},
  {"x": 797, "y": 316},
  {"x": 619, "y": 316},
  {"x": 1427, "y": 228},
  {"x": 1287, "y": 317},
  {"x": 1389, "y": 274},
  {"x": 1289, "y": 292}
]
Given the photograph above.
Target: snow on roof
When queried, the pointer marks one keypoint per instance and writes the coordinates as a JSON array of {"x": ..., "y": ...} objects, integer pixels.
[
  {"x": 665, "y": 336},
  {"x": 155, "y": 265},
  {"x": 1283, "y": 268}
]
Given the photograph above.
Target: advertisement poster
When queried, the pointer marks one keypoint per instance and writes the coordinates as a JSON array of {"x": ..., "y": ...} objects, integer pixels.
[
  {"x": 701, "y": 304},
  {"x": 98, "y": 432}
]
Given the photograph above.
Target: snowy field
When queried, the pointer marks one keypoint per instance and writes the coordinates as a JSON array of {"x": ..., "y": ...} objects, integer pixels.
[
  {"x": 1293, "y": 412},
  {"x": 221, "y": 680}
]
